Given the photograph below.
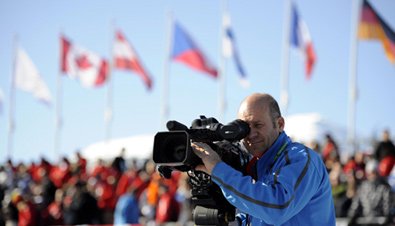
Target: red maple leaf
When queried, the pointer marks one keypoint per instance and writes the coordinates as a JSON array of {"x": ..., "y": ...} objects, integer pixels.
[{"x": 83, "y": 62}]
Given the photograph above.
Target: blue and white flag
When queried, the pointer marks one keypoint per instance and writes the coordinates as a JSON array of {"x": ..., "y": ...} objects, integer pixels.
[{"x": 229, "y": 50}]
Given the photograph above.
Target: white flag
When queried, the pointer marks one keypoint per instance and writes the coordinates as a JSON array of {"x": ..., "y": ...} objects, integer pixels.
[{"x": 28, "y": 78}]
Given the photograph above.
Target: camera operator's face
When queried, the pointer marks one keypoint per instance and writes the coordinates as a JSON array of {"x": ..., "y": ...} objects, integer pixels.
[{"x": 263, "y": 132}]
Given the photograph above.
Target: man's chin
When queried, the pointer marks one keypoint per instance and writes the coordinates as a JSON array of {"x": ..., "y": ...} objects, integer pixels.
[
  {"x": 256, "y": 151},
  {"x": 253, "y": 151}
]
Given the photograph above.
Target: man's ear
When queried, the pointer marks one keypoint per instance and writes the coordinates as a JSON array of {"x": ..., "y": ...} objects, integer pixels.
[{"x": 280, "y": 124}]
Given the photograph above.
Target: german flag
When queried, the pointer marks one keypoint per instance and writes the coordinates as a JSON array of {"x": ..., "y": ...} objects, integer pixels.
[{"x": 372, "y": 26}]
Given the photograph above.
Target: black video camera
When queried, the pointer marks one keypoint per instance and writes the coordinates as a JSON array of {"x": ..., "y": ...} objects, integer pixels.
[{"x": 173, "y": 151}]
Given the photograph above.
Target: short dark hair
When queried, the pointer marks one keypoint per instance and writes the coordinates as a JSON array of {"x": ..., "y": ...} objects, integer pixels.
[{"x": 274, "y": 111}]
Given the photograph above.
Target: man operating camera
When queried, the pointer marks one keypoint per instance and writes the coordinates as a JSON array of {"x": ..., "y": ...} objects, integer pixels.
[{"x": 287, "y": 183}]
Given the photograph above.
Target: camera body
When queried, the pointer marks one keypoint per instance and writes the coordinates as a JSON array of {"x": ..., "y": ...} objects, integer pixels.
[{"x": 173, "y": 151}]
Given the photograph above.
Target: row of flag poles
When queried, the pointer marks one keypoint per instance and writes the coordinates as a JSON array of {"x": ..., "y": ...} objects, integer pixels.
[{"x": 92, "y": 70}]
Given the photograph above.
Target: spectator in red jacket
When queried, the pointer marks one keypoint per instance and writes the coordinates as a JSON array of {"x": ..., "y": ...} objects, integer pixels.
[
  {"x": 38, "y": 171},
  {"x": 26, "y": 210},
  {"x": 125, "y": 181},
  {"x": 106, "y": 200},
  {"x": 60, "y": 174},
  {"x": 99, "y": 168},
  {"x": 168, "y": 208},
  {"x": 81, "y": 165},
  {"x": 330, "y": 150},
  {"x": 356, "y": 165}
]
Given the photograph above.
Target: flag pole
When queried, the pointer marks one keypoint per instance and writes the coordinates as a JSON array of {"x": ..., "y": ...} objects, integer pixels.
[
  {"x": 284, "y": 95},
  {"x": 352, "y": 94},
  {"x": 108, "y": 113},
  {"x": 58, "y": 104},
  {"x": 11, "y": 102},
  {"x": 222, "y": 67},
  {"x": 166, "y": 70}
]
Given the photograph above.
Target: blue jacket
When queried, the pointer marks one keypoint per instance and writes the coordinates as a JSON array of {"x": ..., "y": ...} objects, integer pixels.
[
  {"x": 126, "y": 210},
  {"x": 292, "y": 187}
]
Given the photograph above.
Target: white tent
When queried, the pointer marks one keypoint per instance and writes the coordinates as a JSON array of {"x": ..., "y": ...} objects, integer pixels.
[
  {"x": 138, "y": 147},
  {"x": 309, "y": 127},
  {"x": 303, "y": 128}
]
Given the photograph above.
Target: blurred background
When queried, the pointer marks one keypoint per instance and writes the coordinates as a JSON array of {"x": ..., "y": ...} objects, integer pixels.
[
  {"x": 258, "y": 32},
  {"x": 59, "y": 137}
]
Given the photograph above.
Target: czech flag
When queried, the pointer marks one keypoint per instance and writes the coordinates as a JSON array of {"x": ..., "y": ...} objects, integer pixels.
[
  {"x": 301, "y": 39},
  {"x": 186, "y": 51},
  {"x": 372, "y": 26}
]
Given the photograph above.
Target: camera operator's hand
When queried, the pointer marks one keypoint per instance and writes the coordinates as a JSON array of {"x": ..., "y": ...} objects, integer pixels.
[{"x": 209, "y": 157}]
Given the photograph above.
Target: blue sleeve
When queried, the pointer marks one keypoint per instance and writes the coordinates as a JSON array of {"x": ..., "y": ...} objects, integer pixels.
[{"x": 275, "y": 198}]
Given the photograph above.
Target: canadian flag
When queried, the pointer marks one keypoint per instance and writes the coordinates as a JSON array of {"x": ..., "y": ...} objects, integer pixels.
[
  {"x": 126, "y": 58},
  {"x": 77, "y": 62}
]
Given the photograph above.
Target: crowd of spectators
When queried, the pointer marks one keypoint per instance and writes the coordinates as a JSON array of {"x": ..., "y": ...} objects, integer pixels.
[
  {"x": 111, "y": 192},
  {"x": 362, "y": 187},
  {"x": 122, "y": 191}
]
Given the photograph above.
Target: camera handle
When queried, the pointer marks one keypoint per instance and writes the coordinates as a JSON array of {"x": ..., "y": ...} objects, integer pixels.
[{"x": 164, "y": 172}]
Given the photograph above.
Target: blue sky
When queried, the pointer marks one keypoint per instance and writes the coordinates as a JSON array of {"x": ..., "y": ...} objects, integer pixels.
[{"x": 258, "y": 28}]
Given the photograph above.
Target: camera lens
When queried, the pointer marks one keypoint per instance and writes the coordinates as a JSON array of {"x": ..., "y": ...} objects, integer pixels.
[
  {"x": 174, "y": 150},
  {"x": 170, "y": 148}
]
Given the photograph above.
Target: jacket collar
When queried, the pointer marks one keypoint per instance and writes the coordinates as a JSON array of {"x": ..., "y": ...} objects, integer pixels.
[{"x": 268, "y": 157}]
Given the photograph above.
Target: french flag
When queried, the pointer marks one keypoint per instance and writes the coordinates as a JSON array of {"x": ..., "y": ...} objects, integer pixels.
[
  {"x": 301, "y": 39},
  {"x": 186, "y": 51}
]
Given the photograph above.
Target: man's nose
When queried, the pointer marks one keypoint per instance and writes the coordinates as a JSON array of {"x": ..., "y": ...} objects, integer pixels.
[{"x": 253, "y": 133}]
